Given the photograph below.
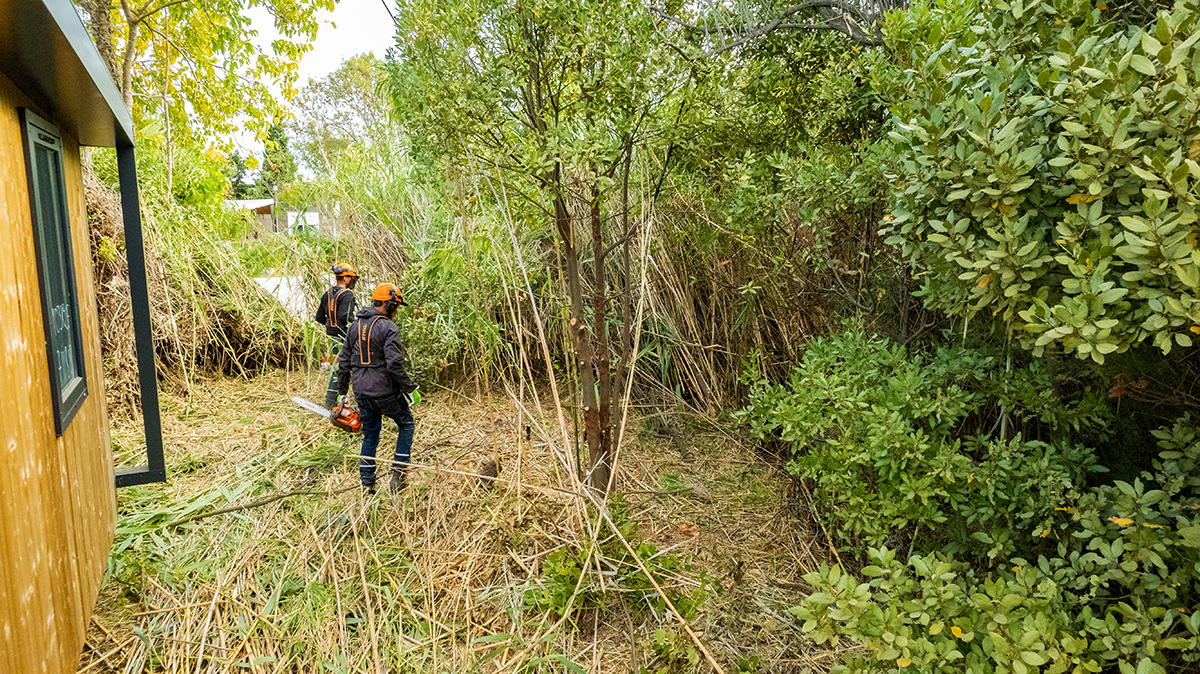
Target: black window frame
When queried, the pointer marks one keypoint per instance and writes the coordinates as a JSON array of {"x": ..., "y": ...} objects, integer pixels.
[{"x": 37, "y": 132}]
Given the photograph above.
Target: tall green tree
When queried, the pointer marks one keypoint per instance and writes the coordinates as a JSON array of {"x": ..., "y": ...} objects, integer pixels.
[
  {"x": 236, "y": 172},
  {"x": 342, "y": 109},
  {"x": 550, "y": 100},
  {"x": 278, "y": 164},
  {"x": 197, "y": 64}
]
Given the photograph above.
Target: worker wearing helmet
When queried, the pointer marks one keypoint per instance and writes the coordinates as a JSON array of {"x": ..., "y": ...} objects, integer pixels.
[
  {"x": 373, "y": 360},
  {"x": 335, "y": 311}
]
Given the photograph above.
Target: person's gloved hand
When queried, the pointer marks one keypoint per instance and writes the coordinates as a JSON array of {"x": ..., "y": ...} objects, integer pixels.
[{"x": 413, "y": 398}]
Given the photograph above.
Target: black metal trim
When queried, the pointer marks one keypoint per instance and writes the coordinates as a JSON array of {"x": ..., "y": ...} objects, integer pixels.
[
  {"x": 155, "y": 469},
  {"x": 48, "y": 136}
]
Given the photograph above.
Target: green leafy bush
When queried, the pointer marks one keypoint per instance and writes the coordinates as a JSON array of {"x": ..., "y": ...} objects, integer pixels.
[
  {"x": 1046, "y": 168},
  {"x": 1121, "y": 590},
  {"x": 908, "y": 444},
  {"x": 449, "y": 295},
  {"x": 1019, "y": 566}
]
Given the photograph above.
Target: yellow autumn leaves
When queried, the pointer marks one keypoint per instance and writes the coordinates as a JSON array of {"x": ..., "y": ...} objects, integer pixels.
[
  {"x": 934, "y": 630},
  {"x": 1125, "y": 521}
]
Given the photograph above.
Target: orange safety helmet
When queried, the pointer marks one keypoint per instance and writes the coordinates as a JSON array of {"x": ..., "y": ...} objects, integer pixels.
[
  {"x": 387, "y": 291},
  {"x": 344, "y": 269}
]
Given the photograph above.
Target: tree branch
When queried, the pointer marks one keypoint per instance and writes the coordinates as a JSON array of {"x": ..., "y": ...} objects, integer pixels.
[
  {"x": 257, "y": 503},
  {"x": 143, "y": 13}
]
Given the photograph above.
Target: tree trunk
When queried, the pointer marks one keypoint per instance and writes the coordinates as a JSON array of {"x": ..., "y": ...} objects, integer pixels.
[
  {"x": 600, "y": 448},
  {"x": 579, "y": 333},
  {"x": 126, "y": 82},
  {"x": 625, "y": 353},
  {"x": 100, "y": 25}
]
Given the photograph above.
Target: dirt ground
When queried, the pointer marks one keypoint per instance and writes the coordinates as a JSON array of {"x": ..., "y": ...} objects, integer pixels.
[{"x": 453, "y": 574}]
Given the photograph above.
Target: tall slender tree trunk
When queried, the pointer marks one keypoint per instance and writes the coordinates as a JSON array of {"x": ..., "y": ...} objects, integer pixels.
[
  {"x": 600, "y": 443},
  {"x": 127, "y": 60},
  {"x": 624, "y": 354},
  {"x": 100, "y": 25},
  {"x": 579, "y": 333}
]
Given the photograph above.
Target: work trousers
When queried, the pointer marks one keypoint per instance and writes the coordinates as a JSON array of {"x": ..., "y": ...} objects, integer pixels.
[
  {"x": 335, "y": 345},
  {"x": 371, "y": 412}
]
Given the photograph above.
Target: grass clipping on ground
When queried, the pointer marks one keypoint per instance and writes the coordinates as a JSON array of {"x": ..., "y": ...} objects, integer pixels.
[{"x": 452, "y": 574}]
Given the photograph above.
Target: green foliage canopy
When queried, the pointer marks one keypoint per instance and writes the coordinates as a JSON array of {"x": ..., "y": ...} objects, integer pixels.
[
  {"x": 341, "y": 110},
  {"x": 532, "y": 85},
  {"x": 278, "y": 165},
  {"x": 201, "y": 63}
]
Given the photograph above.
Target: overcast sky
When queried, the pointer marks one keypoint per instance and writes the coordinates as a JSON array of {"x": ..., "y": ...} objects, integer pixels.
[
  {"x": 353, "y": 27},
  {"x": 362, "y": 26}
]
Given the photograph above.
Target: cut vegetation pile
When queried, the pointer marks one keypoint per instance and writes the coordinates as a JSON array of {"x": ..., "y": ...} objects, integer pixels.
[
  {"x": 207, "y": 312},
  {"x": 454, "y": 574}
]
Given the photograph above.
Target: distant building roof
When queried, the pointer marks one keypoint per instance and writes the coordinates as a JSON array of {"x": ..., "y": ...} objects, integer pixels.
[{"x": 260, "y": 206}]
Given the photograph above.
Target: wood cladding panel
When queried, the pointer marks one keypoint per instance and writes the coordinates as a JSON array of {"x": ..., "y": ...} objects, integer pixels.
[{"x": 57, "y": 500}]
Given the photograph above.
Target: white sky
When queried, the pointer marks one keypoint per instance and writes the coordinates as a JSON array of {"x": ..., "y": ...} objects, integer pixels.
[
  {"x": 353, "y": 27},
  {"x": 362, "y": 26}
]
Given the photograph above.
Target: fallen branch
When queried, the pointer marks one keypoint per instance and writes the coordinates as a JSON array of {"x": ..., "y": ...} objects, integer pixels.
[{"x": 259, "y": 502}]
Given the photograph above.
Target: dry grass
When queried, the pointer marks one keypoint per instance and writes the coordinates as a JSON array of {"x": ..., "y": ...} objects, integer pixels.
[{"x": 435, "y": 579}]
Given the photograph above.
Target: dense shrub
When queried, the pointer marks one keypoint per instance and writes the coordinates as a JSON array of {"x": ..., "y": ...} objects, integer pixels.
[
  {"x": 1045, "y": 168},
  {"x": 1121, "y": 589},
  {"x": 1019, "y": 565},
  {"x": 911, "y": 444}
]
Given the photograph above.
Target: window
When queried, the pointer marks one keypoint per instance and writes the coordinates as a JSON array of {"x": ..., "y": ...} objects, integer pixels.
[{"x": 56, "y": 267}]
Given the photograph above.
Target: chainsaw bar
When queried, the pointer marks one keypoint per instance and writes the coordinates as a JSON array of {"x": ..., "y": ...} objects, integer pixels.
[{"x": 311, "y": 406}]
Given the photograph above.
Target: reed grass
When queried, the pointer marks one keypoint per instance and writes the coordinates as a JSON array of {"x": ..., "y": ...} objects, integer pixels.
[
  {"x": 434, "y": 579},
  {"x": 441, "y": 577}
]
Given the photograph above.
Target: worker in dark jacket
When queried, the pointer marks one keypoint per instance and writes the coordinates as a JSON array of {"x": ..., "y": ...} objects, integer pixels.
[
  {"x": 373, "y": 359},
  {"x": 335, "y": 311}
]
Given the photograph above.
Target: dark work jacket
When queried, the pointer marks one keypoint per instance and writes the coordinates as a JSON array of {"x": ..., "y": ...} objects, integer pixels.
[
  {"x": 373, "y": 358},
  {"x": 335, "y": 311}
]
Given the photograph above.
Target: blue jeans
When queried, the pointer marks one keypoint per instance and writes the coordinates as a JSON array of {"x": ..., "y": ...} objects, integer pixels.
[{"x": 371, "y": 412}]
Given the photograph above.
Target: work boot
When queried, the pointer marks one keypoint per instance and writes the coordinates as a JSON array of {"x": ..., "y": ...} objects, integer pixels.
[
  {"x": 330, "y": 399},
  {"x": 399, "y": 480},
  {"x": 368, "y": 489}
]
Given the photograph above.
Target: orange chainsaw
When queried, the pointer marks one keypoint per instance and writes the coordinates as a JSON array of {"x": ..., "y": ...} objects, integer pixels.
[{"x": 342, "y": 416}]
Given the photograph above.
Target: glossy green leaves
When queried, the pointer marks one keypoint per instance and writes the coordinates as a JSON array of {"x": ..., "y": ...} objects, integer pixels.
[{"x": 1047, "y": 172}]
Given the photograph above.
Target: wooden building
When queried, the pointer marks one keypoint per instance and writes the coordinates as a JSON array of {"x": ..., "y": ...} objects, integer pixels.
[{"x": 57, "y": 480}]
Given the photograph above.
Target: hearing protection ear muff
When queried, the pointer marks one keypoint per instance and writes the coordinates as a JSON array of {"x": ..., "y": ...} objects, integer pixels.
[{"x": 344, "y": 269}]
